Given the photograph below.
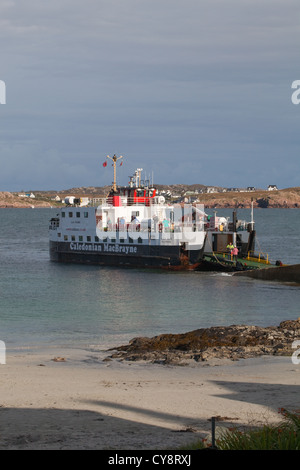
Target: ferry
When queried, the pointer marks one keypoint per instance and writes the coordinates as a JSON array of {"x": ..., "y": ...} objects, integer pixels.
[{"x": 134, "y": 226}]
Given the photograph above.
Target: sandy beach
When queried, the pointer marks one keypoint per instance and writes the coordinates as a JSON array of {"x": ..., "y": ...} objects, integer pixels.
[{"x": 83, "y": 402}]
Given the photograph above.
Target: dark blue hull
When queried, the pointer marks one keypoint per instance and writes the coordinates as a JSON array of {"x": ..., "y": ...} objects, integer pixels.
[{"x": 124, "y": 255}]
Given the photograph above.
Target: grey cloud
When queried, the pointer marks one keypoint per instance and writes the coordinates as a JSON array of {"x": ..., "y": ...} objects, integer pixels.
[{"x": 199, "y": 81}]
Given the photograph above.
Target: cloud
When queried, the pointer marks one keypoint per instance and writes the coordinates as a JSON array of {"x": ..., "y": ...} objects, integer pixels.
[{"x": 200, "y": 81}]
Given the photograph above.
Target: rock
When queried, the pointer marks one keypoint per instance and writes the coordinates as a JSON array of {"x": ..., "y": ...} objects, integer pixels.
[{"x": 232, "y": 342}]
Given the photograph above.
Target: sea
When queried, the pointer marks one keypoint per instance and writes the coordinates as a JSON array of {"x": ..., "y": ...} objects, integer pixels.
[{"x": 50, "y": 305}]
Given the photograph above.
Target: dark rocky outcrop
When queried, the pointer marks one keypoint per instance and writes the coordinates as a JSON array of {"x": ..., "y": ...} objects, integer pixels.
[
  {"x": 223, "y": 342},
  {"x": 263, "y": 202}
]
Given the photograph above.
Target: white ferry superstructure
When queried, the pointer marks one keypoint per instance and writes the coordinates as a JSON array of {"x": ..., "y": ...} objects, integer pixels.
[{"x": 135, "y": 227}]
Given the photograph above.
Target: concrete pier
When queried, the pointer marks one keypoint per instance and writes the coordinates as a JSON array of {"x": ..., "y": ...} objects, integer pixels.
[{"x": 278, "y": 273}]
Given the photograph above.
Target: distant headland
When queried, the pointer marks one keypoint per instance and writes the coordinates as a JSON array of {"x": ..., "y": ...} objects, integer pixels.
[{"x": 211, "y": 197}]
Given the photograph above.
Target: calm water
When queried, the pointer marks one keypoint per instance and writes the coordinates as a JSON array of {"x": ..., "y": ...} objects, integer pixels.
[{"x": 49, "y": 304}]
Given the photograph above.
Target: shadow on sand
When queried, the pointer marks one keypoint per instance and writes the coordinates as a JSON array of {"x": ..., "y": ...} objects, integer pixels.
[{"x": 139, "y": 428}]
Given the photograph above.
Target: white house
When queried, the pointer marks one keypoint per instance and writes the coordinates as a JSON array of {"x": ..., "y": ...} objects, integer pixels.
[
  {"x": 211, "y": 189},
  {"x": 27, "y": 195}
]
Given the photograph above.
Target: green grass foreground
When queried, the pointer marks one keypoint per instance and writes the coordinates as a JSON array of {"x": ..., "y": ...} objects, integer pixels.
[{"x": 283, "y": 436}]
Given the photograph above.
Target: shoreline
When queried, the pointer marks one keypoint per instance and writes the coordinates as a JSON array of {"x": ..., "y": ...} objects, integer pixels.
[
  {"x": 75, "y": 399},
  {"x": 238, "y": 205},
  {"x": 288, "y": 198}
]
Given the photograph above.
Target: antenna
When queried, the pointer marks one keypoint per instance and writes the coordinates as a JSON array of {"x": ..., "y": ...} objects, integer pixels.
[{"x": 114, "y": 160}]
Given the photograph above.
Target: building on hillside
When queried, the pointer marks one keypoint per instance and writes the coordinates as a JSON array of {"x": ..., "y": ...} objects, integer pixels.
[
  {"x": 233, "y": 190},
  {"x": 27, "y": 195},
  {"x": 211, "y": 189}
]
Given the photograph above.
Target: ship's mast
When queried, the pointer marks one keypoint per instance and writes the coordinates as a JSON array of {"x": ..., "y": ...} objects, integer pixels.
[{"x": 114, "y": 160}]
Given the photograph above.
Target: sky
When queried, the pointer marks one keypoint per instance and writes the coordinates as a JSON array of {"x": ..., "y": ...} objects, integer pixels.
[{"x": 191, "y": 91}]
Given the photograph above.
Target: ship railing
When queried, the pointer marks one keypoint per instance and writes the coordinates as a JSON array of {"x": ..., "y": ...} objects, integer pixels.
[
  {"x": 216, "y": 228},
  {"x": 228, "y": 227},
  {"x": 264, "y": 258},
  {"x": 260, "y": 257},
  {"x": 158, "y": 227},
  {"x": 132, "y": 201},
  {"x": 98, "y": 201},
  {"x": 242, "y": 225}
]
